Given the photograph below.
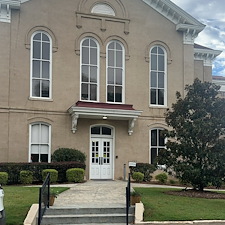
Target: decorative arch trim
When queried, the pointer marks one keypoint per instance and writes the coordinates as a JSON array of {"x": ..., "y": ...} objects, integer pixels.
[
  {"x": 45, "y": 29},
  {"x": 40, "y": 120},
  {"x": 158, "y": 126},
  {"x": 159, "y": 43}
]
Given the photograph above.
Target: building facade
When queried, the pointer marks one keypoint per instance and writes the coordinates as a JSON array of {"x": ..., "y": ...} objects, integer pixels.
[{"x": 93, "y": 75}]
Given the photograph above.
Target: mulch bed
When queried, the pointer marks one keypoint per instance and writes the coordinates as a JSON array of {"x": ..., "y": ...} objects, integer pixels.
[{"x": 197, "y": 194}]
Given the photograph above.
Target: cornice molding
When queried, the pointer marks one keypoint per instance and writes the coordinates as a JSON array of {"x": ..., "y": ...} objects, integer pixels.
[
  {"x": 5, "y": 9},
  {"x": 207, "y": 55}
]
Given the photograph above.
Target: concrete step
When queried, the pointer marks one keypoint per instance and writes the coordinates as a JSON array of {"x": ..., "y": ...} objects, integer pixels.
[
  {"x": 86, "y": 219},
  {"x": 85, "y": 210}
]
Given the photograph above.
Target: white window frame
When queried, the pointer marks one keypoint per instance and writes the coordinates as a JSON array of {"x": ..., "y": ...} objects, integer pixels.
[
  {"x": 41, "y": 60},
  {"x": 103, "y": 8},
  {"x": 30, "y": 142},
  {"x": 114, "y": 67},
  {"x": 98, "y": 68},
  {"x": 157, "y": 146},
  {"x": 165, "y": 78}
]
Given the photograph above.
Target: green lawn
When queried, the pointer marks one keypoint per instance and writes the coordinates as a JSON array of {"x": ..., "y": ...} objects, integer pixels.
[
  {"x": 18, "y": 200},
  {"x": 161, "y": 207}
]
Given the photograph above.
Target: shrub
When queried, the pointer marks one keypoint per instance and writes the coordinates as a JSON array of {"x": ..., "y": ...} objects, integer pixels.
[
  {"x": 4, "y": 178},
  {"x": 144, "y": 168},
  {"x": 26, "y": 177},
  {"x": 162, "y": 178},
  {"x": 68, "y": 154},
  {"x": 14, "y": 176},
  {"x": 53, "y": 175},
  {"x": 75, "y": 175},
  {"x": 138, "y": 176}
]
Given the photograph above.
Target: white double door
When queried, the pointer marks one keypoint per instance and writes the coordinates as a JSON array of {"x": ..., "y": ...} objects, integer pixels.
[{"x": 101, "y": 158}]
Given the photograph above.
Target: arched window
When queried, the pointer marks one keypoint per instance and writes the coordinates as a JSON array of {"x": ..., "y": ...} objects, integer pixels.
[
  {"x": 158, "y": 76},
  {"x": 89, "y": 69},
  {"x": 104, "y": 9},
  {"x": 41, "y": 63},
  {"x": 157, "y": 142},
  {"x": 115, "y": 72},
  {"x": 40, "y": 142}
]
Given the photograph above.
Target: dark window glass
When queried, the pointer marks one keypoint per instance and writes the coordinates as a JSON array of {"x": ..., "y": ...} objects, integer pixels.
[
  {"x": 85, "y": 74},
  {"x": 36, "y": 50},
  {"x": 44, "y": 157},
  {"x": 106, "y": 131},
  {"x": 93, "y": 92},
  {"x": 45, "y": 69},
  {"x": 95, "y": 130},
  {"x": 46, "y": 51},
  {"x": 45, "y": 88},
  {"x": 154, "y": 137},
  {"x": 84, "y": 91},
  {"x": 36, "y": 88},
  {"x": 37, "y": 37},
  {"x": 34, "y": 158},
  {"x": 153, "y": 155},
  {"x": 93, "y": 74},
  {"x": 153, "y": 96},
  {"x": 110, "y": 95},
  {"x": 161, "y": 138},
  {"x": 160, "y": 96},
  {"x": 36, "y": 69},
  {"x": 118, "y": 94}
]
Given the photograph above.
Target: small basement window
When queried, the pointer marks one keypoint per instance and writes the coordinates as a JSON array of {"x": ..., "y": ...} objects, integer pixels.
[{"x": 102, "y": 8}]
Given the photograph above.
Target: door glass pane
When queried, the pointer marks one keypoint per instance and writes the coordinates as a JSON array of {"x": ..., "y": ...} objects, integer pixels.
[
  {"x": 106, "y": 131},
  {"x": 118, "y": 94},
  {"x": 36, "y": 88},
  {"x": 45, "y": 69},
  {"x": 110, "y": 76},
  {"x": 36, "y": 50},
  {"x": 93, "y": 77},
  {"x": 46, "y": 51},
  {"x": 85, "y": 73},
  {"x": 84, "y": 91},
  {"x": 36, "y": 69}
]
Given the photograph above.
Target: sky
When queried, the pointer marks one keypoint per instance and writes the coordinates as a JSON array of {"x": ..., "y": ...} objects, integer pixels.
[{"x": 212, "y": 14}]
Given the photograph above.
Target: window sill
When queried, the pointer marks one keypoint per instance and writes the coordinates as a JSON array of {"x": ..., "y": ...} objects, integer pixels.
[
  {"x": 159, "y": 106},
  {"x": 41, "y": 99}
]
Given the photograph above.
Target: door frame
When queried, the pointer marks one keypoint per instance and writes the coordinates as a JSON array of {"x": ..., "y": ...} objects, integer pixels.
[{"x": 112, "y": 137}]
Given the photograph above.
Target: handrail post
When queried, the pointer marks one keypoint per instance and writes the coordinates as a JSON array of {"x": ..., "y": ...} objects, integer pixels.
[{"x": 127, "y": 199}]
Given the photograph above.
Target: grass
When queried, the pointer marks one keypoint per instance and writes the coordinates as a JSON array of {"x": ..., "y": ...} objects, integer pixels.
[
  {"x": 162, "y": 207},
  {"x": 18, "y": 200}
]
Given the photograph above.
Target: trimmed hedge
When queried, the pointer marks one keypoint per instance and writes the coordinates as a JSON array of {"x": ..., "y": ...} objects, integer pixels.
[
  {"x": 4, "y": 178},
  {"x": 161, "y": 177},
  {"x": 26, "y": 177},
  {"x": 145, "y": 168},
  {"x": 68, "y": 155},
  {"x": 53, "y": 175},
  {"x": 75, "y": 175},
  {"x": 138, "y": 176},
  {"x": 14, "y": 176}
]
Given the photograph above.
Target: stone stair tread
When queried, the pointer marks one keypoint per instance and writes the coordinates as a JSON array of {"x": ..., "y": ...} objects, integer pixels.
[{"x": 85, "y": 215}]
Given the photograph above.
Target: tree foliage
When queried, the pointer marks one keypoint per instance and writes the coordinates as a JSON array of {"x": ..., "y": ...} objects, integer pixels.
[{"x": 196, "y": 145}]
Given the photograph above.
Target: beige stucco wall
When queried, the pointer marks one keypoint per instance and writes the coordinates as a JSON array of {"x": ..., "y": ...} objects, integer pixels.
[{"x": 59, "y": 20}]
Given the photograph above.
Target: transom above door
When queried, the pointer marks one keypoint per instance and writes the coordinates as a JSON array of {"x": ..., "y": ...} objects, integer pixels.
[{"x": 101, "y": 153}]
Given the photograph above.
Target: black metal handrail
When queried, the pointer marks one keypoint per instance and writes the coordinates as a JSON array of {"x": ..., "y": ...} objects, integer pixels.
[
  {"x": 128, "y": 199},
  {"x": 44, "y": 193}
]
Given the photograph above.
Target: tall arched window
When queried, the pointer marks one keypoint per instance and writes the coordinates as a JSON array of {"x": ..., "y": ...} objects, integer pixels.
[
  {"x": 41, "y": 65},
  {"x": 40, "y": 142},
  {"x": 157, "y": 142},
  {"x": 158, "y": 76},
  {"x": 89, "y": 69},
  {"x": 115, "y": 72}
]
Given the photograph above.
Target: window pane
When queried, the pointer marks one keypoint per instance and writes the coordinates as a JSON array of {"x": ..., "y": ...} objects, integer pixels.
[
  {"x": 35, "y": 134},
  {"x": 85, "y": 73},
  {"x": 45, "y": 88},
  {"x": 93, "y": 52},
  {"x": 153, "y": 79},
  {"x": 93, "y": 92},
  {"x": 161, "y": 97},
  {"x": 153, "y": 155},
  {"x": 154, "y": 137},
  {"x": 161, "y": 138},
  {"x": 85, "y": 55},
  {"x": 110, "y": 58},
  {"x": 111, "y": 45},
  {"x": 44, "y": 134},
  {"x": 110, "y": 76},
  {"x": 110, "y": 95},
  {"x": 36, "y": 69},
  {"x": 45, "y": 70},
  {"x": 95, "y": 130},
  {"x": 35, "y": 149},
  {"x": 44, "y": 158},
  {"x": 153, "y": 62},
  {"x": 119, "y": 76},
  {"x": 45, "y": 37},
  {"x": 118, "y": 46},
  {"x": 34, "y": 158},
  {"x": 93, "y": 44},
  {"x": 93, "y": 74},
  {"x": 161, "y": 80},
  {"x": 46, "y": 51},
  {"x": 160, "y": 51},
  {"x": 36, "y": 50},
  {"x": 84, "y": 91},
  {"x": 119, "y": 59},
  {"x": 154, "y": 50},
  {"x": 153, "y": 96},
  {"x": 44, "y": 149},
  {"x": 161, "y": 63},
  {"x": 106, "y": 131},
  {"x": 85, "y": 43},
  {"x": 36, "y": 88},
  {"x": 118, "y": 94},
  {"x": 37, "y": 36}
]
